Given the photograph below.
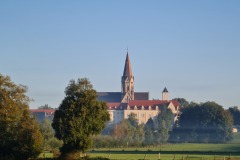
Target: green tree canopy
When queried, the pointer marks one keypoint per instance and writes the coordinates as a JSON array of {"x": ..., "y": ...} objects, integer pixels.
[
  {"x": 149, "y": 130},
  {"x": 46, "y": 106},
  {"x": 20, "y": 136},
  {"x": 132, "y": 118},
  {"x": 236, "y": 115},
  {"x": 184, "y": 103},
  {"x": 50, "y": 141},
  {"x": 205, "y": 122},
  {"x": 78, "y": 117}
]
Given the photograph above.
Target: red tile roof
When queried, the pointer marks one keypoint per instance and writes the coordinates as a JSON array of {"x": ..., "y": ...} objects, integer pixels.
[
  {"x": 147, "y": 102},
  {"x": 140, "y": 103},
  {"x": 41, "y": 110},
  {"x": 176, "y": 103}
]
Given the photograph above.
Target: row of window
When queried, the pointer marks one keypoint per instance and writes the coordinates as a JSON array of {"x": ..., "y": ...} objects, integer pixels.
[
  {"x": 142, "y": 108},
  {"x": 142, "y": 115}
]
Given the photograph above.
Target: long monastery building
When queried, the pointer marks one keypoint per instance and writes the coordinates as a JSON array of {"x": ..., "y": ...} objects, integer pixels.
[{"x": 121, "y": 104}]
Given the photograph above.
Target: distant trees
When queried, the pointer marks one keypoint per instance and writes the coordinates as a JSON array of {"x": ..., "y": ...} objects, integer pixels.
[
  {"x": 50, "y": 141},
  {"x": 79, "y": 117},
  {"x": 164, "y": 124},
  {"x": 157, "y": 130},
  {"x": 20, "y": 136},
  {"x": 205, "y": 122},
  {"x": 236, "y": 115},
  {"x": 184, "y": 103},
  {"x": 46, "y": 106},
  {"x": 129, "y": 132},
  {"x": 150, "y": 131}
]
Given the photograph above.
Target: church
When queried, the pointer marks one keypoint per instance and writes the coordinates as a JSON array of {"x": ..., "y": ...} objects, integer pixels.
[{"x": 121, "y": 104}]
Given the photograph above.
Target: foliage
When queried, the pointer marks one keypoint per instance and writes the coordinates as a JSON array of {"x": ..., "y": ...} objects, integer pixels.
[
  {"x": 149, "y": 129},
  {"x": 132, "y": 118},
  {"x": 46, "y": 106},
  {"x": 184, "y": 103},
  {"x": 20, "y": 136},
  {"x": 128, "y": 132},
  {"x": 205, "y": 122},
  {"x": 157, "y": 130},
  {"x": 50, "y": 142},
  {"x": 79, "y": 117},
  {"x": 236, "y": 115}
]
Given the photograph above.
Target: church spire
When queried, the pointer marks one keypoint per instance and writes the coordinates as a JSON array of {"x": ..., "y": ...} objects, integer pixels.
[
  {"x": 127, "y": 68},
  {"x": 127, "y": 82}
]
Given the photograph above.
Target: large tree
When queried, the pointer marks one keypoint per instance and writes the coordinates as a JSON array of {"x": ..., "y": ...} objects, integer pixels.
[
  {"x": 78, "y": 117},
  {"x": 20, "y": 136},
  {"x": 205, "y": 122},
  {"x": 236, "y": 115},
  {"x": 164, "y": 123}
]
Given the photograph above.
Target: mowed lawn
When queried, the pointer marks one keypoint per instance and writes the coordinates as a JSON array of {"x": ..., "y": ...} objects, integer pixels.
[
  {"x": 172, "y": 152},
  {"x": 184, "y": 151}
]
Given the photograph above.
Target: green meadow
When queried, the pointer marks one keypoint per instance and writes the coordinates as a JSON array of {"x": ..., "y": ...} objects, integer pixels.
[
  {"x": 183, "y": 151},
  {"x": 186, "y": 151},
  {"x": 172, "y": 152}
]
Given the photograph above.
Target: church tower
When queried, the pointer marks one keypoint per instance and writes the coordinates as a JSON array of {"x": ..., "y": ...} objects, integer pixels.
[
  {"x": 165, "y": 94},
  {"x": 127, "y": 82}
]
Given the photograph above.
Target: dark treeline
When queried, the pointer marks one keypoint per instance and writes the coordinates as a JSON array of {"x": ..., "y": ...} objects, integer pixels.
[
  {"x": 197, "y": 123},
  {"x": 205, "y": 123}
]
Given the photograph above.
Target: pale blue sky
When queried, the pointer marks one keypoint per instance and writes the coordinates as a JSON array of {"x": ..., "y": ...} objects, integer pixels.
[{"x": 191, "y": 47}]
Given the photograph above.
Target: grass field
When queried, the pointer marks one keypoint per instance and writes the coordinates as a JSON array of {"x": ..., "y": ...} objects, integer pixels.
[
  {"x": 184, "y": 151},
  {"x": 172, "y": 152}
]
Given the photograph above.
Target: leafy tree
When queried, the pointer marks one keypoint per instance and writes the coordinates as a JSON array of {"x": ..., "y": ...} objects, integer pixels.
[
  {"x": 46, "y": 106},
  {"x": 157, "y": 130},
  {"x": 132, "y": 118},
  {"x": 20, "y": 136},
  {"x": 182, "y": 101},
  {"x": 128, "y": 132},
  {"x": 205, "y": 122},
  {"x": 165, "y": 118},
  {"x": 123, "y": 132},
  {"x": 79, "y": 117},
  {"x": 236, "y": 115},
  {"x": 149, "y": 129},
  {"x": 50, "y": 142},
  {"x": 163, "y": 123}
]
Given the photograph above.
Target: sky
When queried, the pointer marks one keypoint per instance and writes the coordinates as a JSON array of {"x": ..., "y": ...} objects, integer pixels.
[{"x": 191, "y": 47}]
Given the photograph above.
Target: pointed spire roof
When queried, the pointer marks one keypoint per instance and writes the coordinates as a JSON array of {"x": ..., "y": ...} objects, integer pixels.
[
  {"x": 165, "y": 90},
  {"x": 127, "y": 68}
]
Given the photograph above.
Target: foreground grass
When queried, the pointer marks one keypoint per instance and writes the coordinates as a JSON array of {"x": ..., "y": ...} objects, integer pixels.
[
  {"x": 183, "y": 147},
  {"x": 165, "y": 157},
  {"x": 184, "y": 151}
]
